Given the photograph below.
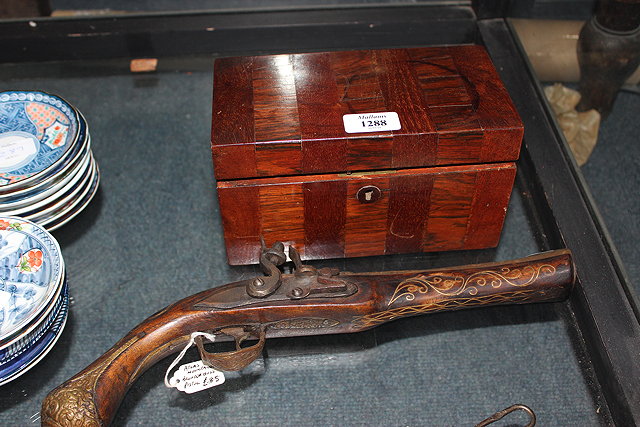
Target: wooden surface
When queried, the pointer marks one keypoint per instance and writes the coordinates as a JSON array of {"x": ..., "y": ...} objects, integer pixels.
[
  {"x": 281, "y": 152},
  {"x": 428, "y": 209},
  {"x": 92, "y": 397},
  {"x": 282, "y": 114}
]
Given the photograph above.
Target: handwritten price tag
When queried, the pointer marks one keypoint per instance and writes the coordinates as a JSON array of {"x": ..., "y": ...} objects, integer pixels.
[
  {"x": 196, "y": 376},
  {"x": 371, "y": 122}
]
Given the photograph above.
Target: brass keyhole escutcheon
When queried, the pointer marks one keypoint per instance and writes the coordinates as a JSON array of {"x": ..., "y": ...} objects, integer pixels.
[{"x": 368, "y": 194}]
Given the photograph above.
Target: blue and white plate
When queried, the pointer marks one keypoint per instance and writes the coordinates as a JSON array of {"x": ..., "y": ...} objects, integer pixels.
[
  {"x": 31, "y": 334},
  {"x": 46, "y": 165},
  {"x": 37, "y": 131},
  {"x": 53, "y": 223},
  {"x": 39, "y": 347},
  {"x": 31, "y": 273},
  {"x": 51, "y": 195},
  {"x": 65, "y": 195},
  {"x": 11, "y": 343},
  {"x": 34, "y": 191}
]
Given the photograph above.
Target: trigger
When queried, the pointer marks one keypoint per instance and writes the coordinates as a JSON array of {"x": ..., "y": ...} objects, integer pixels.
[{"x": 235, "y": 360}]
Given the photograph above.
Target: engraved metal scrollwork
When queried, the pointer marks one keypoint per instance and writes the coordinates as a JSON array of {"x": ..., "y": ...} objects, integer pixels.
[
  {"x": 460, "y": 291},
  {"x": 72, "y": 405},
  {"x": 444, "y": 305},
  {"x": 454, "y": 285}
]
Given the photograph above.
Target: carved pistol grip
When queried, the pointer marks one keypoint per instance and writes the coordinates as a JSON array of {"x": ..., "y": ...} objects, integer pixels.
[
  {"x": 80, "y": 401},
  {"x": 92, "y": 397}
]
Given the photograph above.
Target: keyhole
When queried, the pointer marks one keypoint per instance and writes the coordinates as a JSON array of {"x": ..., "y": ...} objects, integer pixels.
[{"x": 368, "y": 194}]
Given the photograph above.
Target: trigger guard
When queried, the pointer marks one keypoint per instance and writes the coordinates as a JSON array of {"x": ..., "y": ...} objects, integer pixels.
[{"x": 235, "y": 360}]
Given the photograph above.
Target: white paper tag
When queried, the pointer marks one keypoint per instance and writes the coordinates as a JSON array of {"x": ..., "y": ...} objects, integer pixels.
[
  {"x": 371, "y": 122},
  {"x": 196, "y": 376}
]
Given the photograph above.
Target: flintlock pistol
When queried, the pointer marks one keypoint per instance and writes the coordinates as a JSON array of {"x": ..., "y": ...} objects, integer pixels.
[{"x": 308, "y": 302}]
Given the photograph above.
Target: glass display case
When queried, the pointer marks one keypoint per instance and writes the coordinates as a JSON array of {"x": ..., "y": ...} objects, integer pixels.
[{"x": 153, "y": 235}]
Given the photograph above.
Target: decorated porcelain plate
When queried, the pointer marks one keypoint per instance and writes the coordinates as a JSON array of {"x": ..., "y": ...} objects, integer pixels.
[
  {"x": 37, "y": 130},
  {"x": 49, "y": 197},
  {"x": 58, "y": 201},
  {"x": 12, "y": 343},
  {"x": 67, "y": 201},
  {"x": 33, "y": 201},
  {"x": 32, "y": 333},
  {"x": 31, "y": 270},
  {"x": 68, "y": 213},
  {"x": 39, "y": 348},
  {"x": 10, "y": 193}
]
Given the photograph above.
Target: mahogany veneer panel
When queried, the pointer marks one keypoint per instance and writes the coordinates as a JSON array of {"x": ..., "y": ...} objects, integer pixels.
[
  {"x": 427, "y": 209},
  {"x": 282, "y": 114}
]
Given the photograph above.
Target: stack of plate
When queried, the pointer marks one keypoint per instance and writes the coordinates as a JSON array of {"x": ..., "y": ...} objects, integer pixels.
[
  {"x": 47, "y": 171},
  {"x": 33, "y": 295}
]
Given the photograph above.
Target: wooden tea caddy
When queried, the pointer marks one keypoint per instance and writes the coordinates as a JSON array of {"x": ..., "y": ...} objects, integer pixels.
[{"x": 287, "y": 170}]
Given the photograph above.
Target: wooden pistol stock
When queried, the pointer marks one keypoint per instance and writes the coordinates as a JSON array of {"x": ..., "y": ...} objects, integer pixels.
[{"x": 308, "y": 302}]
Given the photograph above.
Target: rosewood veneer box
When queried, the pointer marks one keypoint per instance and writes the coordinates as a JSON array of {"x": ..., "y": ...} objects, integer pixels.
[{"x": 362, "y": 153}]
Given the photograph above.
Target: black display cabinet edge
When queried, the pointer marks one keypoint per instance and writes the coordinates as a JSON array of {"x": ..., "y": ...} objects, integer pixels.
[
  {"x": 556, "y": 9},
  {"x": 229, "y": 32},
  {"x": 602, "y": 308}
]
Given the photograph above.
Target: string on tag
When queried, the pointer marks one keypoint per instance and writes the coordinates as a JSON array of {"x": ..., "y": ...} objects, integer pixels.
[{"x": 210, "y": 337}]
